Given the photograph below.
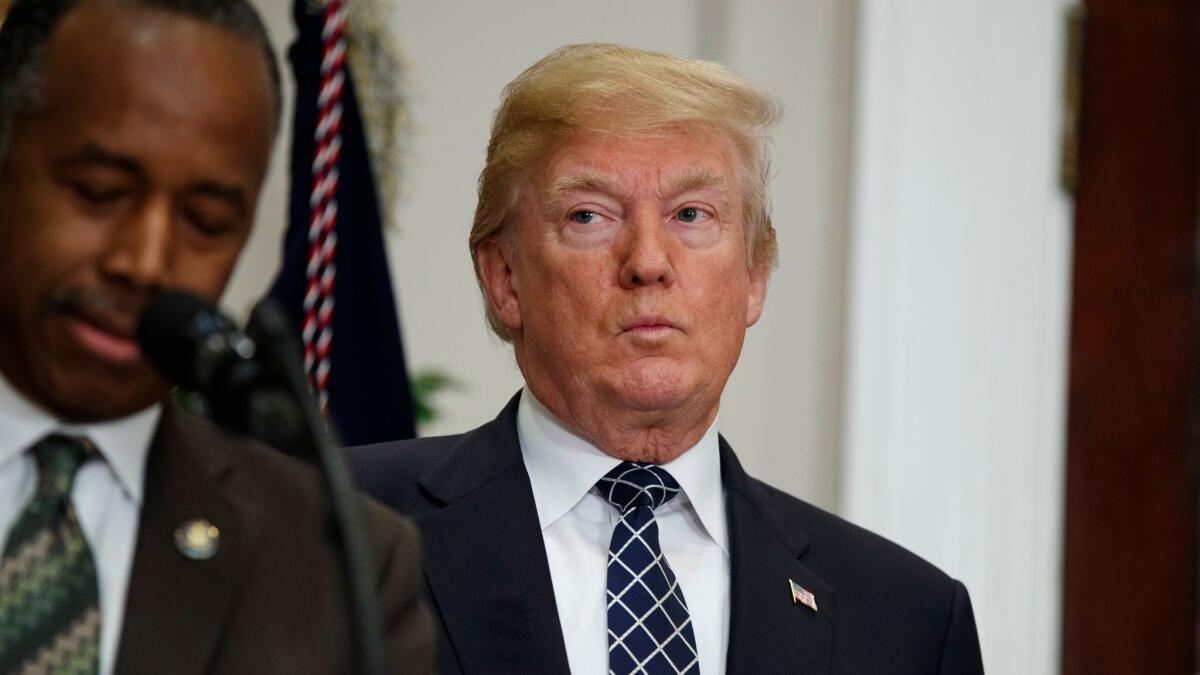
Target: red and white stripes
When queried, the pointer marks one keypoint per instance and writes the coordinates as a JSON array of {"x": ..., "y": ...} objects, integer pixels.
[{"x": 321, "y": 271}]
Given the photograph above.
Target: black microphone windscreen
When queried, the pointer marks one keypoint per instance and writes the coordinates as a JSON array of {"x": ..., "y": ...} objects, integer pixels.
[{"x": 172, "y": 331}]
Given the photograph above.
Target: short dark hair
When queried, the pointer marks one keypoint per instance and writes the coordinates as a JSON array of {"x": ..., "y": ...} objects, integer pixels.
[{"x": 30, "y": 23}]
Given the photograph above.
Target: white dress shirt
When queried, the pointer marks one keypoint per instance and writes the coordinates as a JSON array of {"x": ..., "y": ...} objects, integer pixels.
[
  {"x": 107, "y": 493},
  {"x": 577, "y": 525}
]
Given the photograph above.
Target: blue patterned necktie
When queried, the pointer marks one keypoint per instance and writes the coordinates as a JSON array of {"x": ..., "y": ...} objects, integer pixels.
[
  {"x": 649, "y": 627},
  {"x": 49, "y": 609}
]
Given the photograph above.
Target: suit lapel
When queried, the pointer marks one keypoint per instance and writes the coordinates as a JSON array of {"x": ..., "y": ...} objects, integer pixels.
[
  {"x": 769, "y": 632},
  {"x": 176, "y": 607},
  {"x": 484, "y": 557}
]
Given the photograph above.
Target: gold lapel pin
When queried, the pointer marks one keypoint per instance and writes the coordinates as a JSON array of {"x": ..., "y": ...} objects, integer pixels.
[
  {"x": 802, "y": 596},
  {"x": 197, "y": 539}
]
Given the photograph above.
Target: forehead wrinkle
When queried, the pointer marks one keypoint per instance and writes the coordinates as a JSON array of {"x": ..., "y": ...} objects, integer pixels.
[
  {"x": 584, "y": 182},
  {"x": 688, "y": 181}
]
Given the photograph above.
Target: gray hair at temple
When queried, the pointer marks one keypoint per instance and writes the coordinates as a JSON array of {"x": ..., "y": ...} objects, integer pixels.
[
  {"x": 606, "y": 88},
  {"x": 30, "y": 23}
]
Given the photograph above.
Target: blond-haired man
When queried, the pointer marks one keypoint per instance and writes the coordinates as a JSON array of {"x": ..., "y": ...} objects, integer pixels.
[{"x": 622, "y": 242}]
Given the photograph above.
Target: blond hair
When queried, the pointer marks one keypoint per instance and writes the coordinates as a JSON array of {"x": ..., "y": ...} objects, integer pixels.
[{"x": 606, "y": 88}]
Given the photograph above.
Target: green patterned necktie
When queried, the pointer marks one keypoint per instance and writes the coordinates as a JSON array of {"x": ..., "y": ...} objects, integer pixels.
[{"x": 49, "y": 609}]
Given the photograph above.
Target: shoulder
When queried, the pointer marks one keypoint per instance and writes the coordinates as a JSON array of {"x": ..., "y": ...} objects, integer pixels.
[
  {"x": 267, "y": 482},
  {"x": 289, "y": 490},
  {"x": 418, "y": 475},
  {"x": 283, "y": 513},
  {"x": 842, "y": 553},
  {"x": 888, "y": 599},
  {"x": 398, "y": 460},
  {"x": 389, "y": 471},
  {"x": 843, "y": 550}
]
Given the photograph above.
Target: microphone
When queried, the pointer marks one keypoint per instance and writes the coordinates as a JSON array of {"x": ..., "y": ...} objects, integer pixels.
[
  {"x": 194, "y": 345},
  {"x": 244, "y": 386},
  {"x": 255, "y": 385}
]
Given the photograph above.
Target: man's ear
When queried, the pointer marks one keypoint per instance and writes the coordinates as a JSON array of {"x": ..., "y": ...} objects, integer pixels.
[
  {"x": 756, "y": 291},
  {"x": 497, "y": 275}
]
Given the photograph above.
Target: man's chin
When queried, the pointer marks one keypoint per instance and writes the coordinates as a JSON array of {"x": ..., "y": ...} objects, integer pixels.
[
  {"x": 98, "y": 397},
  {"x": 668, "y": 387},
  {"x": 655, "y": 391}
]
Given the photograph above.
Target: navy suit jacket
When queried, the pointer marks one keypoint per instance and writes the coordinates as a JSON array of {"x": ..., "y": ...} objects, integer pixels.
[{"x": 880, "y": 608}]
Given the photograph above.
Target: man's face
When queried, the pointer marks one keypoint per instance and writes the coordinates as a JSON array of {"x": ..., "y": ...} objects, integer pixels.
[
  {"x": 138, "y": 169},
  {"x": 628, "y": 275}
]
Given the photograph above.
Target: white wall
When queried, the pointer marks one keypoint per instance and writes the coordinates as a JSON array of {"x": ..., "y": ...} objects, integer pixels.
[
  {"x": 260, "y": 259},
  {"x": 960, "y": 278},
  {"x": 781, "y": 409}
]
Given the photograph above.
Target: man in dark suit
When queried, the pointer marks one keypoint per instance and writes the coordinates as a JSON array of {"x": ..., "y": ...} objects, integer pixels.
[
  {"x": 622, "y": 242},
  {"x": 134, "y": 138}
]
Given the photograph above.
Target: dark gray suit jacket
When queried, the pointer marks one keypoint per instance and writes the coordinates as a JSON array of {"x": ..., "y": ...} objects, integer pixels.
[
  {"x": 881, "y": 608},
  {"x": 271, "y": 599}
]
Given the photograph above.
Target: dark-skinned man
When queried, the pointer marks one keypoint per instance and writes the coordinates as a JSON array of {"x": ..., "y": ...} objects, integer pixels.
[{"x": 134, "y": 138}]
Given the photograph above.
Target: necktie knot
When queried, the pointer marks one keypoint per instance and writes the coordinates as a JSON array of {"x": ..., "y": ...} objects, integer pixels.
[
  {"x": 58, "y": 459},
  {"x": 634, "y": 484}
]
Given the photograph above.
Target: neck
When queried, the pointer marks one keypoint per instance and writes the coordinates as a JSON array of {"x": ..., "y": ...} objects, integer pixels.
[{"x": 653, "y": 436}]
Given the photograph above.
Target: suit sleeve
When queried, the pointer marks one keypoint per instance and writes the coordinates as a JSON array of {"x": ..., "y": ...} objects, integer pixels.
[
  {"x": 960, "y": 649},
  {"x": 409, "y": 635}
]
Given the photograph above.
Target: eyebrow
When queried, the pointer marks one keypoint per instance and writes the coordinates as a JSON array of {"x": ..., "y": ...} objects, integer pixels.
[
  {"x": 694, "y": 179},
  {"x": 700, "y": 179},
  {"x": 588, "y": 182},
  {"x": 92, "y": 155}
]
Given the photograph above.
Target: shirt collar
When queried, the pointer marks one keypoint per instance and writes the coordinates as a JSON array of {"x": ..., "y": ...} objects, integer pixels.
[
  {"x": 124, "y": 443},
  {"x": 564, "y": 466}
]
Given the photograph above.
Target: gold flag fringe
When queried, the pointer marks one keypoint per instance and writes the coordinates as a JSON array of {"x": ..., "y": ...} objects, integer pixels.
[{"x": 379, "y": 71}]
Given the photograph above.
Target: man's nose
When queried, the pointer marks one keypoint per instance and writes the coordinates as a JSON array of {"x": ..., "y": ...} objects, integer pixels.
[
  {"x": 645, "y": 252},
  {"x": 140, "y": 247}
]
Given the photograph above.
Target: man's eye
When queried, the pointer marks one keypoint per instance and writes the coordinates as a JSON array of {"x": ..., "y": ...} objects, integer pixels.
[
  {"x": 584, "y": 217},
  {"x": 205, "y": 225},
  {"x": 691, "y": 214},
  {"x": 98, "y": 195}
]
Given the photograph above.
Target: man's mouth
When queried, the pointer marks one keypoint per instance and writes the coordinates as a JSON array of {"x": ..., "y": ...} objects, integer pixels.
[
  {"x": 649, "y": 325},
  {"x": 101, "y": 324},
  {"x": 103, "y": 342}
]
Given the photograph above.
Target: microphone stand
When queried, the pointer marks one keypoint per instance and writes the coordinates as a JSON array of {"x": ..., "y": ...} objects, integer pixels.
[{"x": 297, "y": 426}]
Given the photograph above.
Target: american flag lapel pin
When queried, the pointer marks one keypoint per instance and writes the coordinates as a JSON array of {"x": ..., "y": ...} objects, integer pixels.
[{"x": 802, "y": 596}]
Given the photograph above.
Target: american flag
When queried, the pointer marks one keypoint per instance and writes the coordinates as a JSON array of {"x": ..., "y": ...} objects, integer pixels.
[
  {"x": 335, "y": 282},
  {"x": 802, "y": 595}
]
